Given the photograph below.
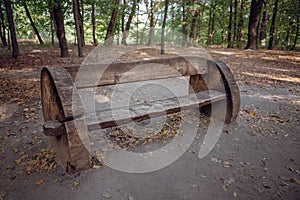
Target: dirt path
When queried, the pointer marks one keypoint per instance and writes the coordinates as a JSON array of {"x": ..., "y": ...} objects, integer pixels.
[{"x": 257, "y": 157}]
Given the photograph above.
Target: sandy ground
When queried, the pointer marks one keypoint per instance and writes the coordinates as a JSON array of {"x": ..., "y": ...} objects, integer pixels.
[{"x": 256, "y": 157}]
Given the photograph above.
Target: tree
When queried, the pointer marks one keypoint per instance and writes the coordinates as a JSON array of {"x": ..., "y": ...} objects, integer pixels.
[
  {"x": 230, "y": 26},
  {"x": 111, "y": 26},
  {"x": 273, "y": 23},
  {"x": 60, "y": 28},
  {"x": 235, "y": 21},
  {"x": 95, "y": 42},
  {"x": 77, "y": 27},
  {"x": 297, "y": 33},
  {"x": 194, "y": 20},
  {"x": 81, "y": 20},
  {"x": 211, "y": 24},
  {"x": 152, "y": 22},
  {"x": 2, "y": 27},
  {"x": 264, "y": 23},
  {"x": 51, "y": 27},
  {"x": 32, "y": 22},
  {"x": 13, "y": 35},
  {"x": 184, "y": 22},
  {"x": 128, "y": 24},
  {"x": 240, "y": 24},
  {"x": 163, "y": 28},
  {"x": 256, "y": 6}
]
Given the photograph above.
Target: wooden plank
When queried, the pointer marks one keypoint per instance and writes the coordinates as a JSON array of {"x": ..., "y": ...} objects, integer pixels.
[
  {"x": 138, "y": 112},
  {"x": 134, "y": 71}
]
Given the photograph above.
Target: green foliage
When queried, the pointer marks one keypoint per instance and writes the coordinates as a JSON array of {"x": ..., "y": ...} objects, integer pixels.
[{"x": 288, "y": 12}]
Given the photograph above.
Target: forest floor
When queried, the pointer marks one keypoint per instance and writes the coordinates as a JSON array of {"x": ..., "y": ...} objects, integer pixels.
[{"x": 256, "y": 157}]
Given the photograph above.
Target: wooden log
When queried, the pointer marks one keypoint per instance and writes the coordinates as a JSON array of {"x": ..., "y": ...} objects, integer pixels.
[
  {"x": 56, "y": 90},
  {"x": 134, "y": 71},
  {"x": 220, "y": 78},
  {"x": 143, "y": 111}
]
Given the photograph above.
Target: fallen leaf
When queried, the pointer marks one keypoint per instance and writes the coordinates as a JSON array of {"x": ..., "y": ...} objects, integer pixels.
[
  {"x": 294, "y": 180},
  {"x": 40, "y": 182},
  {"x": 234, "y": 194},
  {"x": 18, "y": 161},
  {"x": 130, "y": 198},
  {"x": 106, "y": 195},
  {"x": 75, "y": 184},
  {"x": 15, "y": 150}
]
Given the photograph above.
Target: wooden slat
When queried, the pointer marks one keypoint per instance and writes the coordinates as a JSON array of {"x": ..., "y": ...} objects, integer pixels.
[
  {"x": 158, "y": 108},
  {"x": 142, "y": 70}
]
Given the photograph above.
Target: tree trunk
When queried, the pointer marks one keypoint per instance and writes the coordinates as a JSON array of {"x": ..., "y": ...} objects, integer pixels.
[
  {"x": 77, "y": 28},
  {"x": 184, "y": 23},
  {"x": 209, "y": 31},
  {"x": 163, "y": 28},
  {"x": 128, "y": 24},
  {"x": 256, "y": 6},
  {"x": 51, "y": 27},
  {"x": 32, "y": 23},
  {"x": 137, "y": 24},
  {"x": 81, "y": 20},
  {"x": 213, "y": 26},
  {"x": 8, "y": 41},
  {"x": 2, "y": 27},
  {"x": 60, "y": 29},
  {"x": 235, "y": 23},
  {"x": 123, "y": 16},
  {"x": 230, "y": 26},
  {"x": 241, "y": 24},
  {"x": 273, "y": 23},
  {"x": 193, "y": 25},
  {"x": 12, "y": 29},
  {"x": 151, "y": 34},
  {"x": 111, "y": 26},
  {"x": 264, "y": 23},
  {"x": 95, "y": 42},
  {"x": 297, "y": 34}
]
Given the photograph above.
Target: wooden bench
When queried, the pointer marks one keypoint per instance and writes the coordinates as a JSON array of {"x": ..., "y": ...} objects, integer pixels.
[{"x": 210, "y": 82}]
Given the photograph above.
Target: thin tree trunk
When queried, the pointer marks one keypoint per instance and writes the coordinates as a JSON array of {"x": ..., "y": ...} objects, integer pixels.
[
  {"x": 51, "y": 27},
  {"x": 112, "y": 23},
  {"x": 137, "y": 23},
  {"x": 230, "y": 26},
  {"x": 60, "y": 29},
  {"x": 8, "y": 40},
  {"x": 235, "y": 22},
  {"x": 151, "y": 34},
  {"x": 199, "y": 23},
  {"x": 163, "y": 28},
  {"x": 288, "y": 33},
  {"x": 209, "y": 31},
  {"x": 77, "y": 28},
  {"x": 81, "y": 18},
  {"x": 212, "y": 40},
  {"x": 297, "y": 34},
  {"x": 95, "y": 42},
  {"x": 128, "y": 24},
  {"x": 256, "y": 6},
  {"x": 173, "y": 25},
  {"x": 123, "y": 16},
  {"x": 273, "y": 23},
  {"x": 12, "y": 29},
  {"x": 184, "y": 23},
  {"x": 241, "y": 24},
  {"x": 264, "y": 23},
  {"x": 193, "y": 25},
  {"x": 2, "y": 27},
  {"x": 32, "y": 23}
]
